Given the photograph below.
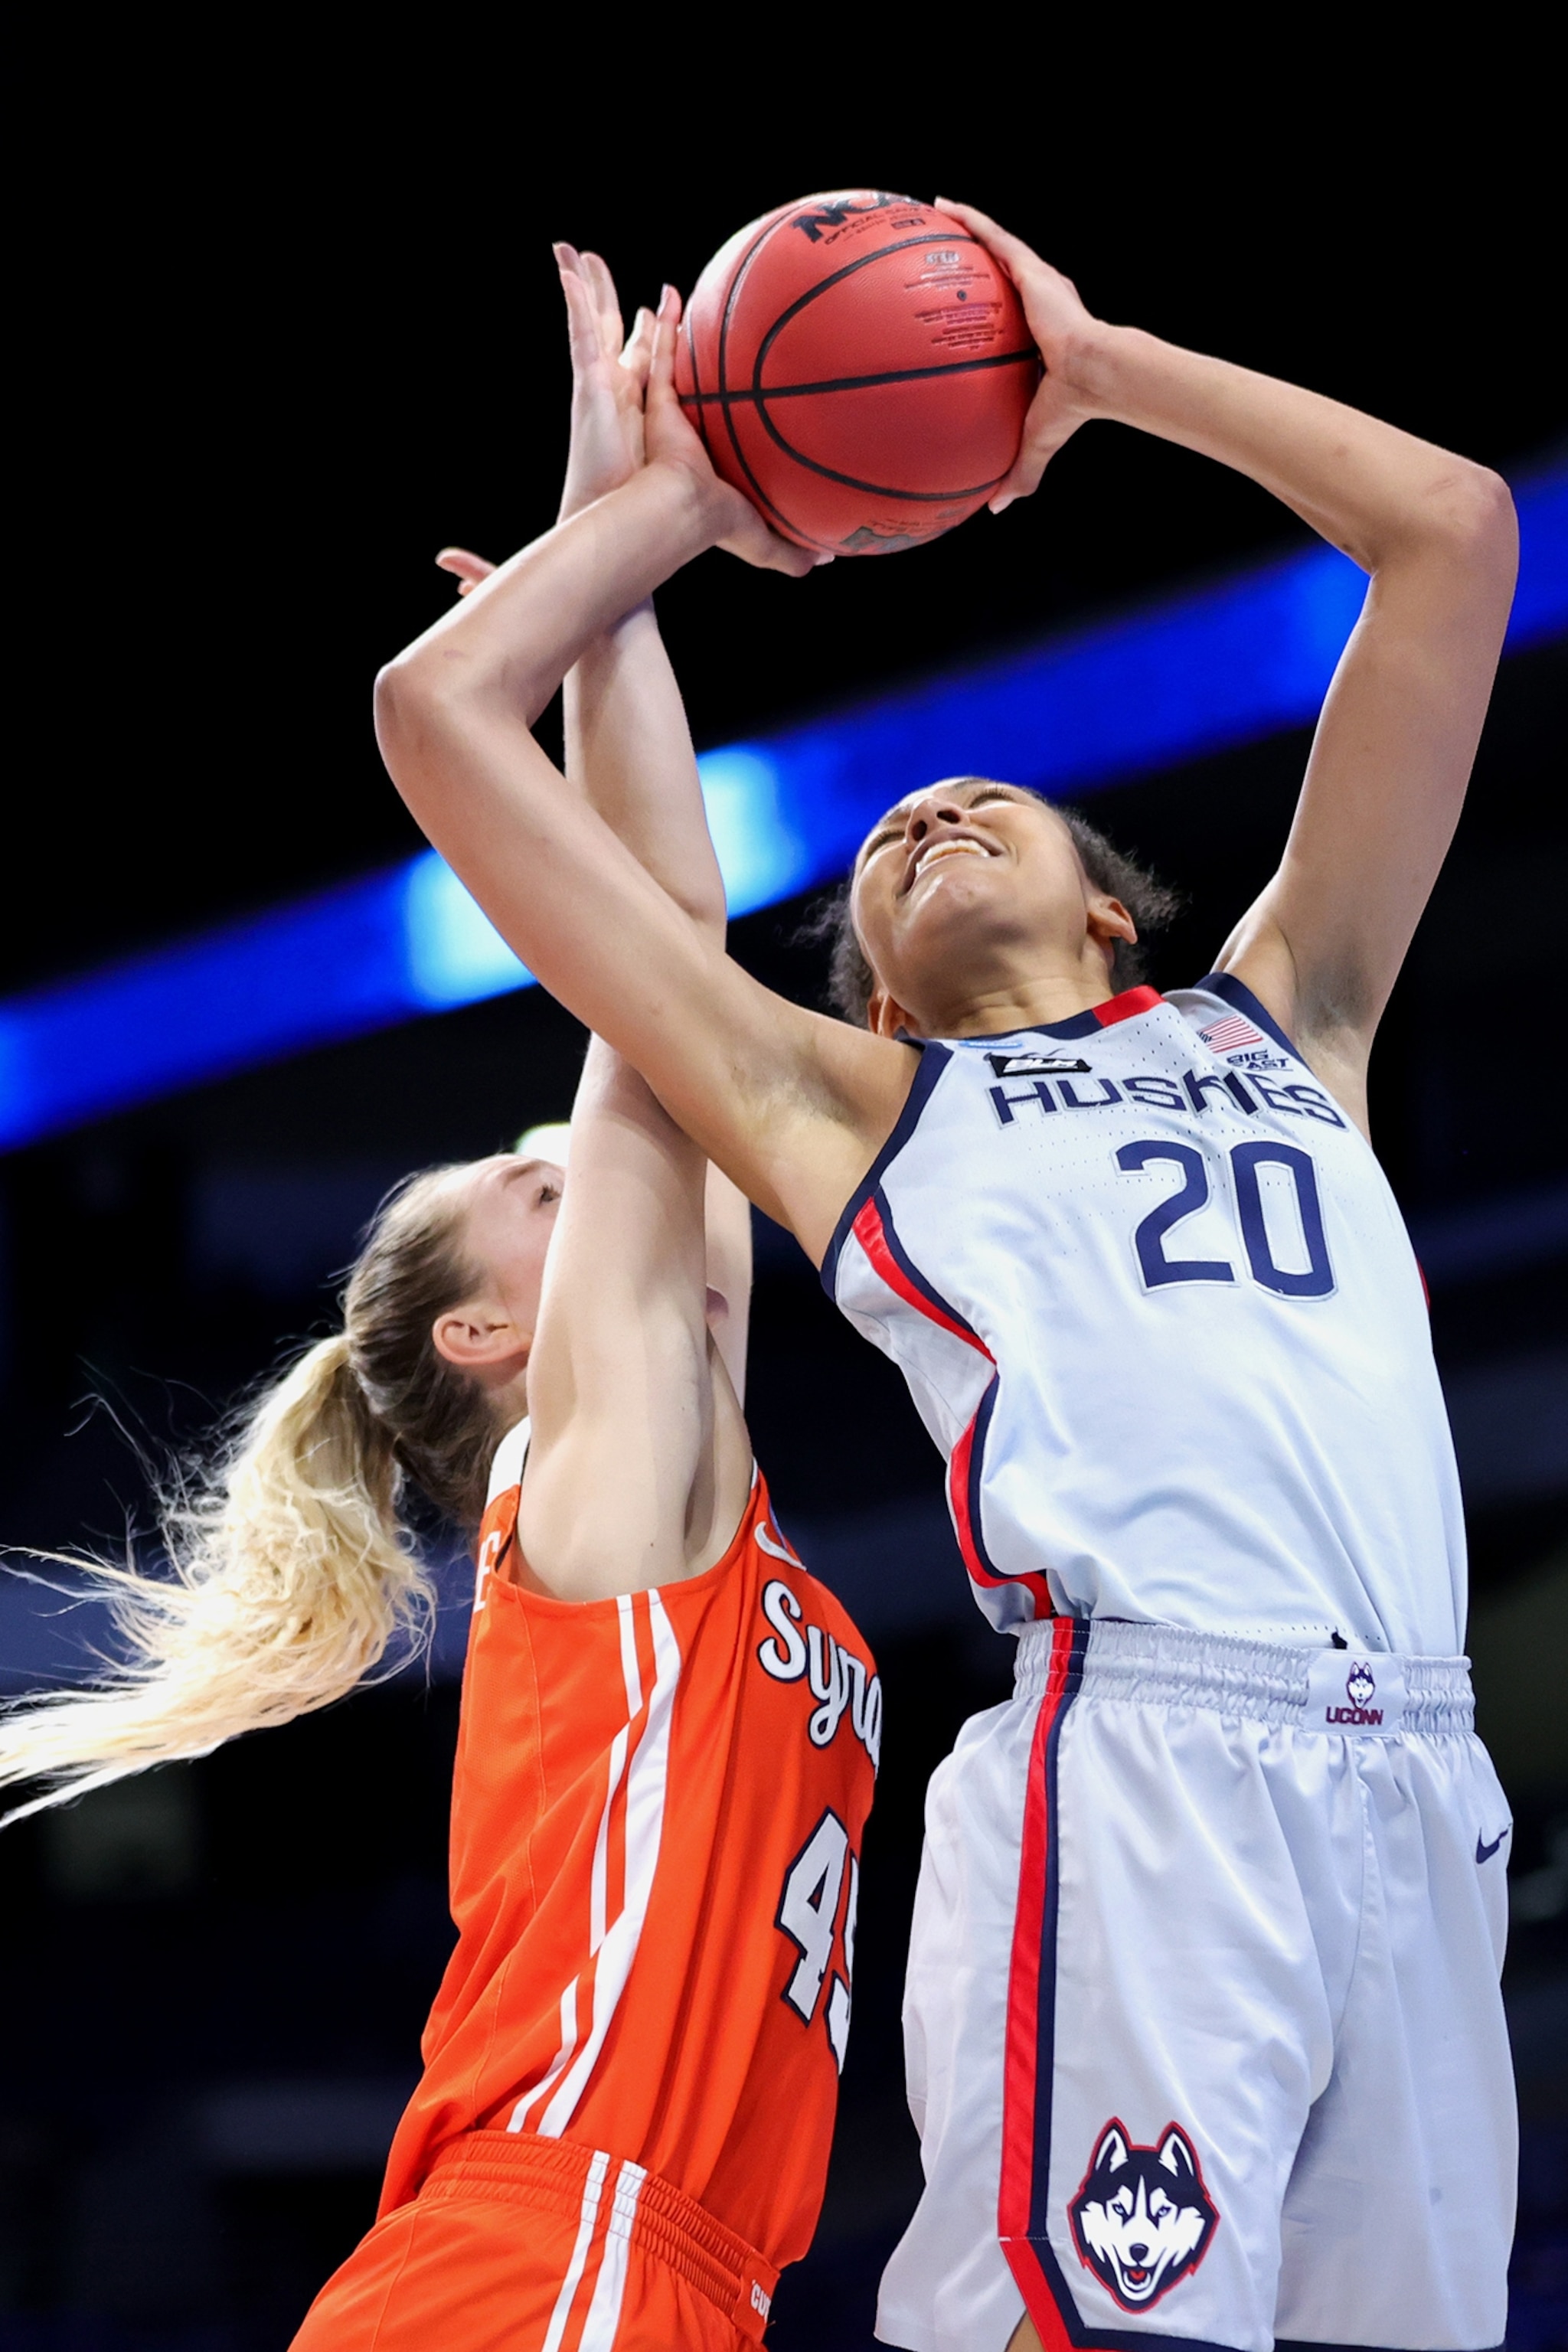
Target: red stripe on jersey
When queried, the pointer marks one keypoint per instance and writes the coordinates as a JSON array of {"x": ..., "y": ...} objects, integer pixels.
[
  {"x": 871, "y": 1234},
  {"x": 958, "y": 1501},
  {"x": 1125, "y": 1007},
  {"x": 868, "y": 1232},
  {"x": 960, "y": 1485},
  {"x": 1020, "y": 2074}
]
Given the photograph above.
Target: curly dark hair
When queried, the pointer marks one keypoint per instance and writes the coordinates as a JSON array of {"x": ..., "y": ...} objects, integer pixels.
[{"x": 850, "y": 979}]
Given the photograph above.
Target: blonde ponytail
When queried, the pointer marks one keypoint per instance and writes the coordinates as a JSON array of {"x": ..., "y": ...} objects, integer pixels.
[{"x": 291, "y": 1571}]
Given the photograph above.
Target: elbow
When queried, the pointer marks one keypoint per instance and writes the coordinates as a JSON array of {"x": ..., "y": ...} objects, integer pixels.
[
  {"x": 1471, "y": 508},
  {"x": 436, "y": 688},
  {"x": 423, "y": 710},
  {"x": 407, "y": 695}
]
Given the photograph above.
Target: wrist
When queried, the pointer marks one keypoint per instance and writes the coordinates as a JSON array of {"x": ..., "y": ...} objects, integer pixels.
[
  {"x": 698, "y": 503},
  {"x": 1132, "y": 377},
  {"x": 1093, "y": 363},
  {"x": 577, "y": 493}
]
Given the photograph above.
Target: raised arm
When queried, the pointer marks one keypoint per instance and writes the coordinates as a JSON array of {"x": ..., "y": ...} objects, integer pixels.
[
  {"x": 640, "y": 1464},
  {"x": 1392, "y": 756},
  {"x": 792, "y": 1106}
]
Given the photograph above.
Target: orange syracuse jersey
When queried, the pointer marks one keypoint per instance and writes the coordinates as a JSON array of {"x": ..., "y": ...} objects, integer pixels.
[{"x": 656, "y": 1818}]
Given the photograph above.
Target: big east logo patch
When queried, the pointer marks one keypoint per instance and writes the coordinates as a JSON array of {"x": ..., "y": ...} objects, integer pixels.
[{"x": 1142, "y": 2220}]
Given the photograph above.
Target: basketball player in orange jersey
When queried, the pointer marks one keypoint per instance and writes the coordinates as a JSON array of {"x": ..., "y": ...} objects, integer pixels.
[
  {"x": 669, "y": 1730},
  {"x": 1206, "y": 2039}
]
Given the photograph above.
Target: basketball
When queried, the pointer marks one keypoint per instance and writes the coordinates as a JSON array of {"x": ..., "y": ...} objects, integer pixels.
[{"x": 860, "y": 368}]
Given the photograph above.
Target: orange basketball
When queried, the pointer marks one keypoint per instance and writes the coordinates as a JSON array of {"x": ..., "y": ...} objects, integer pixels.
[{"x": 860, "y": 366}]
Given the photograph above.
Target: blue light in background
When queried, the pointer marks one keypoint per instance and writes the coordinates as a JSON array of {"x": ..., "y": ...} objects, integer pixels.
[
  {"x": 455, "y": 954},
  {"x": 758, "y": 851},
  {"x": 1200, "y": 672},
  {"x": 327, "y": 967}
]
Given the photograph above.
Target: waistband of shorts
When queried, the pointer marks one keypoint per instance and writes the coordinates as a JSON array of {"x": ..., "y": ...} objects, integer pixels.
[
  {"x": 584, "y": 2184},
  {"x": 1271, "y": 1683}
]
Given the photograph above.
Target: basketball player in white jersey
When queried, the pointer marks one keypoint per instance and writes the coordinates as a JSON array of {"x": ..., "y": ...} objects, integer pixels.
[{"x": 1205, "y": 2035}]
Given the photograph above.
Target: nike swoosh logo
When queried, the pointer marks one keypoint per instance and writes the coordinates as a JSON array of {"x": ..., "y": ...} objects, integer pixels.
[{"x": 1485, "y": 1853}]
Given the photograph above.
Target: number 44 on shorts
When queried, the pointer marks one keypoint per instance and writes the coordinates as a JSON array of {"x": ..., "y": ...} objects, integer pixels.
[{"x": 809, "y": 1916}]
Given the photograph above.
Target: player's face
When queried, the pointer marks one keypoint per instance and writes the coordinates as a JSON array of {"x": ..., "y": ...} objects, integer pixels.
[
  {"x": 510, "y": 1215},
  {"x": 963, "y": 890}
]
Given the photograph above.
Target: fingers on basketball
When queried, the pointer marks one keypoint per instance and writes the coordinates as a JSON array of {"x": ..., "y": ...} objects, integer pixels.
[
  {"x": 1044, "y": 431},
  {"x": 998, "y": 241},
  {"x": 661, "y": 347}
]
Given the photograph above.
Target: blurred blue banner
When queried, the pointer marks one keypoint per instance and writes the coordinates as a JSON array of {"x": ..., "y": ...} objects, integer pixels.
[{"x": 1201, "y": 672}]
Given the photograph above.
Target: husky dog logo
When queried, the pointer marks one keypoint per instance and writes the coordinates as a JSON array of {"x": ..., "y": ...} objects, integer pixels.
[
  {"x": 1142, "y": 2218},
  {"x": 1360, "y": 1687}
]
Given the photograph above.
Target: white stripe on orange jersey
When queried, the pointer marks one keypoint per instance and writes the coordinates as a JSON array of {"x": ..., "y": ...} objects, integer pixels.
[
  {"x": 646, "y": 1783},
  {"x": 592, "y": 2189},
  {"x": 610, "y": 2287}
]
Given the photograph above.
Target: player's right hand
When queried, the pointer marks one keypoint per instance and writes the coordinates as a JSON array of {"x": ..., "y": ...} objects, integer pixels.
[{"x": 1062, "y": 326}]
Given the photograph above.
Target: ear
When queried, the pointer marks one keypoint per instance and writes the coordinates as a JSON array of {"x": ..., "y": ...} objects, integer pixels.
[
  {"x": 885, "y": 1016},
  {"x": 1108, "y": 920},
  {"x": 476, "y": 1337},
  {"x": 1175, "y": 2153},
  {"x": 1110, "y": 2154}
]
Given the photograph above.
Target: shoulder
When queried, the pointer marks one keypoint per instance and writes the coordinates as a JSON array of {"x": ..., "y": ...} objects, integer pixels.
[{"x": 1229, "y": 1018}]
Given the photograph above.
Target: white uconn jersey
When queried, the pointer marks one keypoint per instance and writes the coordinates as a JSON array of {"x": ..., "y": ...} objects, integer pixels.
[{"x": 1155, "y": 1303}]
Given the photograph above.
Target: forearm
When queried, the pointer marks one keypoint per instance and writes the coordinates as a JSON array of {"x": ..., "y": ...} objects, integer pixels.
[
  {"x": 1379, "y": 494},
  {"x": 629, "y": 749}
]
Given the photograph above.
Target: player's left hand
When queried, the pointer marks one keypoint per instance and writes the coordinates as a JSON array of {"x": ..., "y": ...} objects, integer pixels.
[
  {"x": 1061, "y": 325},
  {"x": 735, "y": 524}
]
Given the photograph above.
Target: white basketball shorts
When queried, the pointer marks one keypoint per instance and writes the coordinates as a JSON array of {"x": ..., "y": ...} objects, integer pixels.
[{"x": 1204, "y": 2039}]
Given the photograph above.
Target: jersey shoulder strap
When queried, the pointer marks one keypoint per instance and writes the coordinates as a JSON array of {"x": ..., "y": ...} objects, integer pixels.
[{"x": 506, "y": 1465}]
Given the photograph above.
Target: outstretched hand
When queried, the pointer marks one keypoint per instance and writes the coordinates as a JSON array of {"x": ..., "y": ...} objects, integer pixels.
[
  {"x": 1061, "y": 325},
  {"x": 609, "y": 378}
]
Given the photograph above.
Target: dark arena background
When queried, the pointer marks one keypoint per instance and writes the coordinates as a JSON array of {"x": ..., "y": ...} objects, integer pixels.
[{"x": 289, "y": 327}]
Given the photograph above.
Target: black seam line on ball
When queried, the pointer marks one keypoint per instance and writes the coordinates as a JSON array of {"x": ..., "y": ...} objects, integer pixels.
[
  {"x": 736, "y": 275},
  {"x": 760, "y": 394},
  {"x": 760, "y": 497},
  {"x": 876, "y": 490},
  {"x": 900, "y": 245},
  {"x": 859, "y": 383},
  {"x": 697, "y": 379}
]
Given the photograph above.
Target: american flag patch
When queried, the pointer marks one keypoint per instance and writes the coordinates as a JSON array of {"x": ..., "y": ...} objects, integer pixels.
[{"x": 1224, "y": 1037}]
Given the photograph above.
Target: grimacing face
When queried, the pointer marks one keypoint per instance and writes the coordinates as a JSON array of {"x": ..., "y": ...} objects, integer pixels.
[{"x": 966, "y": 891}]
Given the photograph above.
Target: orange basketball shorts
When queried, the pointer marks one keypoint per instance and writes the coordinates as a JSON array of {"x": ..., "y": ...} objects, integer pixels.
[{"x": 522, "y": 2245}]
